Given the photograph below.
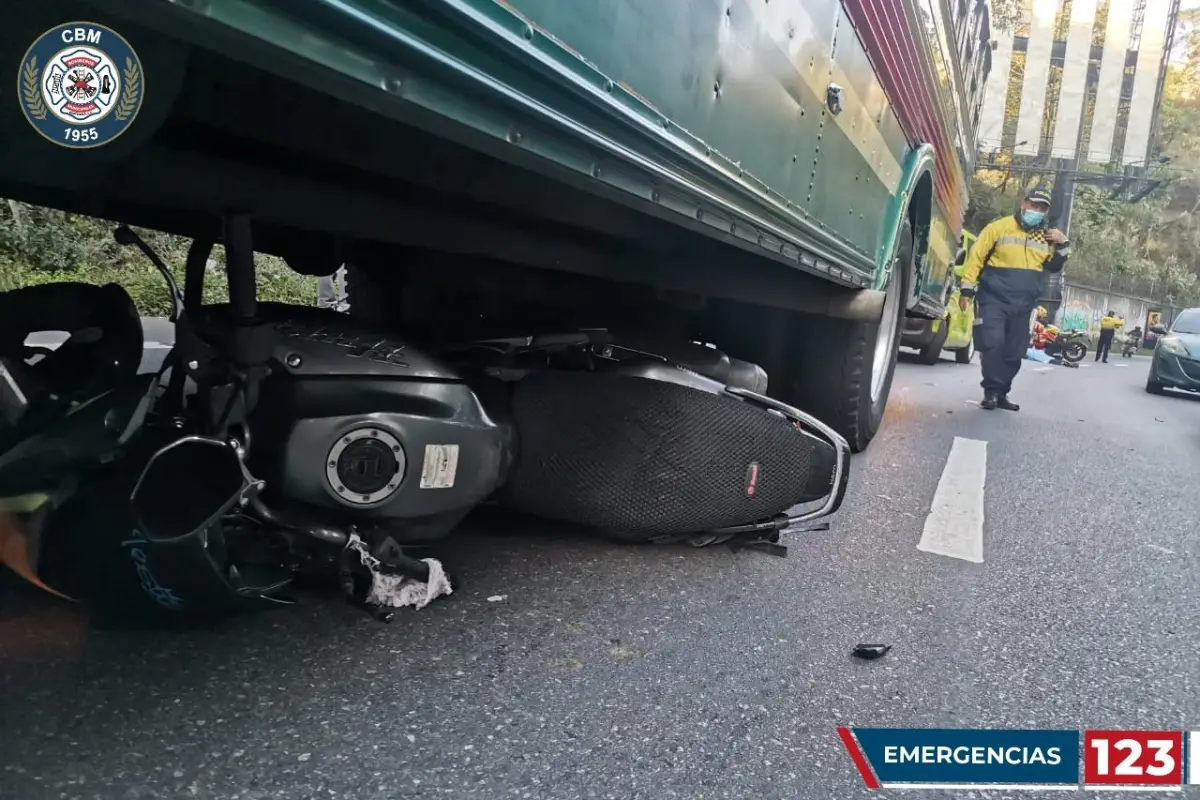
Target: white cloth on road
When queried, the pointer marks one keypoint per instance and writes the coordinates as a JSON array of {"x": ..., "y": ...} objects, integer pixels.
[{"x": 400, "y": 591}]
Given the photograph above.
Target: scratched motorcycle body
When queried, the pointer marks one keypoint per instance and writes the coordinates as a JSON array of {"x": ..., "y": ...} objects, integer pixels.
[{"x": 263, "y": 455}]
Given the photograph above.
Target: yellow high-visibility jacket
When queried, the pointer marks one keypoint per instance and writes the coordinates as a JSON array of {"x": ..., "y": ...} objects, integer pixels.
[
  {"x": 1006, "y": 263},
  {"x": 1111, "y": 323}
]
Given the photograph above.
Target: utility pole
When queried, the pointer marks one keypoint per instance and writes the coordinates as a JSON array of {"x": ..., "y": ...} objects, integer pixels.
[{"x": 1062, "y": 197}]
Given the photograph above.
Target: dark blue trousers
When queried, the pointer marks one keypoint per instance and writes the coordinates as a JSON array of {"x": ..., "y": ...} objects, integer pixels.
[{"x": 1002, "y": 338}]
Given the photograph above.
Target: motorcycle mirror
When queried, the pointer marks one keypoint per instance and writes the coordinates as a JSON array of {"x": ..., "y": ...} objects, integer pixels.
[
  {"x": 188, "y": 486},
  {"x": 125, "y": 236}
]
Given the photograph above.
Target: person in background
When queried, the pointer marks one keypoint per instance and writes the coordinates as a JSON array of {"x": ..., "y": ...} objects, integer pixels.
[
  {"x": 1133, "y": 340},
  {"x": 1108, "y": 329},
  {"x": 1040, "y": 334},
  {"x": 1003, "y": 272}
]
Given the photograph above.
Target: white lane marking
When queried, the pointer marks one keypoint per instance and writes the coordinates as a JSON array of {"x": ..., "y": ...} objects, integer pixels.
[
  {"x": 954, "y": 527},
  {"x": 1085, "y": 365},
  {"x": 1120, "y": 365},
  {"x": 1043, "y": 369}
]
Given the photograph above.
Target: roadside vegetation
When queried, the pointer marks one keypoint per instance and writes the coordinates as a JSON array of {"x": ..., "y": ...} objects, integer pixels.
[{"x": 41, "y": 245}]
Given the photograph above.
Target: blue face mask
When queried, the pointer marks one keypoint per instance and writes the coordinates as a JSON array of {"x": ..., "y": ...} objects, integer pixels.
[{"x": 1032, "y": 219}]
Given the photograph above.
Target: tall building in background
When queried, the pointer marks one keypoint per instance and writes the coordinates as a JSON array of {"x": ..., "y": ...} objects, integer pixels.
[{"x": 1075, "y": 87}]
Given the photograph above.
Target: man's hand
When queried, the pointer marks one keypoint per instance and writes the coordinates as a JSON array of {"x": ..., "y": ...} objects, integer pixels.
[
  {"x": 964, "y": 303},
  {"x": 1055, "y": 236}
]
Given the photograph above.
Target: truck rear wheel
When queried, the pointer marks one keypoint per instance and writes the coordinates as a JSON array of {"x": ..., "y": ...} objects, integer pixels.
[
  {"x": 841, "y": 371},
  {"x": 932, "y": 352}
]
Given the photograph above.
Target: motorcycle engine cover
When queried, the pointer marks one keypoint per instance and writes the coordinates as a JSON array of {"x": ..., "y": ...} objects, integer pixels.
[{"x": 358, "y": 426}]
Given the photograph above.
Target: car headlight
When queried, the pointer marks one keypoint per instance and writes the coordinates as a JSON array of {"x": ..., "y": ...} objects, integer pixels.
[{"x": 1173, "y": 346}]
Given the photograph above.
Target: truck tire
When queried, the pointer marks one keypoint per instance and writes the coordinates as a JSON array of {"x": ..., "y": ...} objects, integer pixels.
[
  {"x": 833, "y": 371},
  {"x": 963, "y": 355},
  {"x": 932, "y": 353}
]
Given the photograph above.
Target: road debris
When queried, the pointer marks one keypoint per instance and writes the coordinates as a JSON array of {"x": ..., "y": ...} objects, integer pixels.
[{"x": 871, "y": 652}]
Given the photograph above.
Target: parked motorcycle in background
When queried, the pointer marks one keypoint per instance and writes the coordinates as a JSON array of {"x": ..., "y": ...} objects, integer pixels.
[
  {"x": 1071, "y": 346},
  {"x": 1133, "y": 340},
  {"x": 1074, "y": 345}
]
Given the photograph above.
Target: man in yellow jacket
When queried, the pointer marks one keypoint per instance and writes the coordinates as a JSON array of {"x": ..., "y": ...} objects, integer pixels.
[
  {"x": 1003, "y": 273},
  {"x": 1108, "y": 329}
]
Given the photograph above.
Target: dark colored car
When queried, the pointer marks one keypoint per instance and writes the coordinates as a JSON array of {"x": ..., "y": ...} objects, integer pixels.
[{"x": 1176, "y": 362}]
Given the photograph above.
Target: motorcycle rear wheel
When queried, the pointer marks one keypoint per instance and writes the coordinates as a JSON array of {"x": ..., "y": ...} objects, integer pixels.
[{"x": 1075, "y": 352}]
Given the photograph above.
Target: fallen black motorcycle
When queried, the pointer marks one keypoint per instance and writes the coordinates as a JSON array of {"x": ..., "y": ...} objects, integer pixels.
[
  {"x": 282, "y": 442},
  {"x": 1070, "y": 345}
]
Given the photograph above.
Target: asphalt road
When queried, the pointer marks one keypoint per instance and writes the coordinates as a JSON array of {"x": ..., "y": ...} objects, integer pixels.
[{"x": 619, "y": 672}]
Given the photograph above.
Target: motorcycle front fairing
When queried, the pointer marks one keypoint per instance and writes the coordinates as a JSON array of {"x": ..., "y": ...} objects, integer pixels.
[
  {"x": 67, "y": 524},
  {"x": 22, "y": 520},
  {"x": 41, "y": 473}
]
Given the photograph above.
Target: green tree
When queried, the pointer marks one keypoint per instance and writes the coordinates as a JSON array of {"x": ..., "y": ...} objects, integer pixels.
[{"x": 42, "y": 245}]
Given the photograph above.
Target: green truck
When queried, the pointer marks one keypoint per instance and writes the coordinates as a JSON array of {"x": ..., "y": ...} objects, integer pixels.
[{"x": 784, "y": 179}]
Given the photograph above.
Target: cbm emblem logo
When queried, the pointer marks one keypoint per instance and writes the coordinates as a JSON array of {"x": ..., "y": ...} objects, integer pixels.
[{"x": 81, "y": 85}]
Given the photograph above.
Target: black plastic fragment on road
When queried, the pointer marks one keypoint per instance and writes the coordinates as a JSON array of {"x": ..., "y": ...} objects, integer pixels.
[{"x": 870, "y": 652}]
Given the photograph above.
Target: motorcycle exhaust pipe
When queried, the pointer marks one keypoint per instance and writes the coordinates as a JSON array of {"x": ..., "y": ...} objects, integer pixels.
[
  {"x": 267, "y": 515},
  {"x": 189, "y": 486}
]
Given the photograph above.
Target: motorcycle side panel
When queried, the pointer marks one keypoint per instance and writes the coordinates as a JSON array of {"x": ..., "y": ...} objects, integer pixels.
[
  {"x": 318, "y": 342},
  {"x": 303, "y": 419}
]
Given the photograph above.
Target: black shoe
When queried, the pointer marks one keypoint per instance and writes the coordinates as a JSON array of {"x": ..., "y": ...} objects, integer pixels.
[
  {"x": 989, "y": 401},
  {"x": 1003, "y": 402}
]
